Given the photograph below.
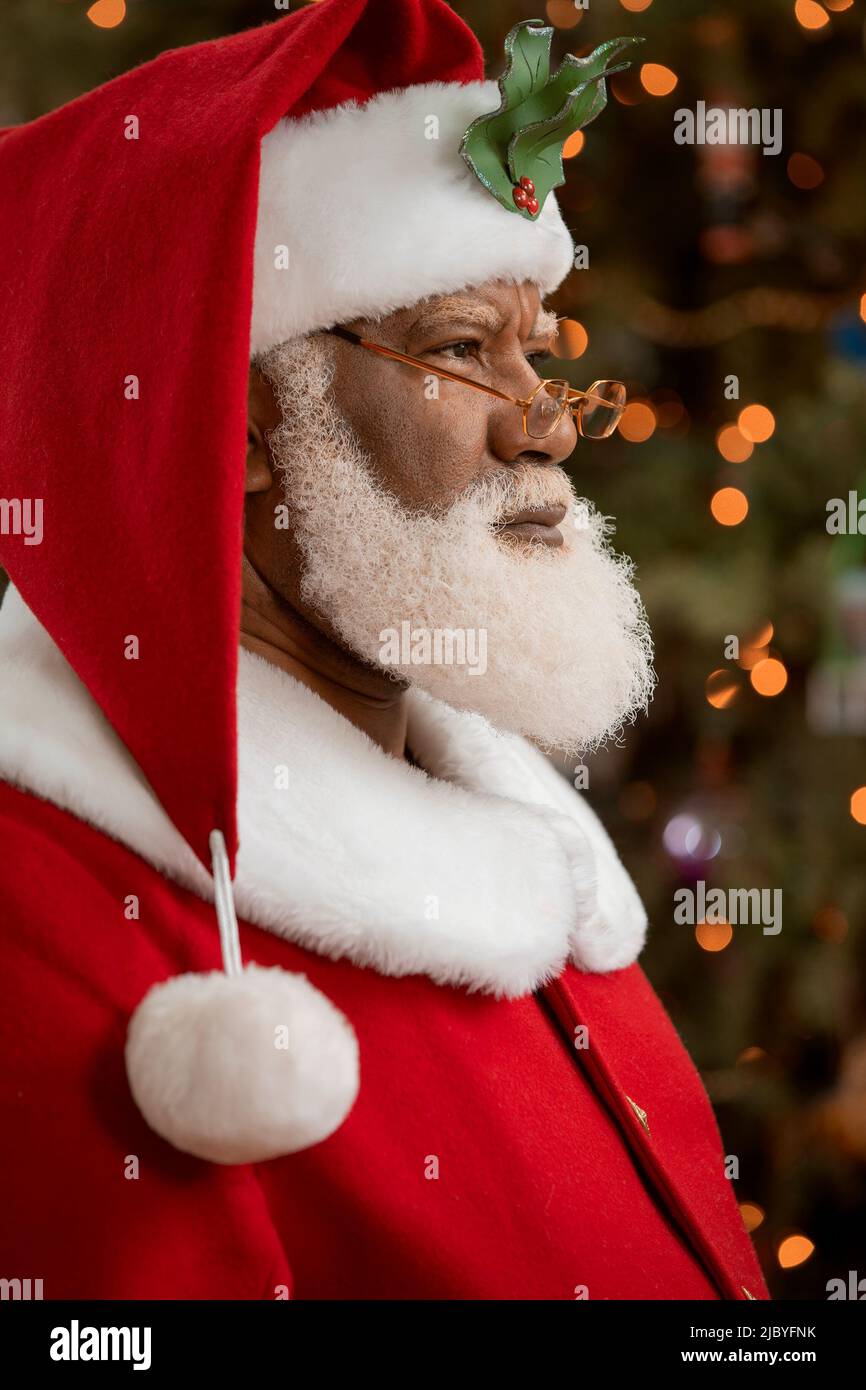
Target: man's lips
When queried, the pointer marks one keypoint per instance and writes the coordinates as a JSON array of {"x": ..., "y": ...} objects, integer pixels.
[{"x": 538, "y": 524}]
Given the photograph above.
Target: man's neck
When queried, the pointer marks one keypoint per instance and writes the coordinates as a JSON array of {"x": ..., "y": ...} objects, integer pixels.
[{"x": 369, "y": 699}]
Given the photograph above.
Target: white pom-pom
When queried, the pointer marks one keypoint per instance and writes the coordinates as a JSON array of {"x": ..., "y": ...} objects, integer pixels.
[{"x": 241, "y": 1068}]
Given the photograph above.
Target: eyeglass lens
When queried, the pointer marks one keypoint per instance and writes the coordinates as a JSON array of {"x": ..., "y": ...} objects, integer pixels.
[
  {"x": 547, "y": 408},
  {"x": 597, "y": 421},
  {"x": 598, "y": 414}
]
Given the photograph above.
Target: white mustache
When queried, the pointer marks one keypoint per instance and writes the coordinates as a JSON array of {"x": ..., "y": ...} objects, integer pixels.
[{"x": 521, "y": 487}]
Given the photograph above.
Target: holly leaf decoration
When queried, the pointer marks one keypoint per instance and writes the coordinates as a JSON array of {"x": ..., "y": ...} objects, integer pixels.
[{"x": 523, "y": 139}]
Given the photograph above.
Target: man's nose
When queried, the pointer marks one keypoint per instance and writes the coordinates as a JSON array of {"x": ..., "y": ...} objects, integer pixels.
[{"x": 508, "y": 441}]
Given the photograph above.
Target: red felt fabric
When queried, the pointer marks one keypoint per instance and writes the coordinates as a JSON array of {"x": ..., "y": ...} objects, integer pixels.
[
  {"x": 127, "y": 258},
  {"x": 546, "y": 1179}
]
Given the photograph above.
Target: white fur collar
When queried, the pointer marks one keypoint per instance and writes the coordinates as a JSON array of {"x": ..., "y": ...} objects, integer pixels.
[{"x": 488, "y": 873}]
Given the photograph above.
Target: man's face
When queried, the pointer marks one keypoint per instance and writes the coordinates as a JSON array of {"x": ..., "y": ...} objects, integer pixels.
[
  {"x": 400, "y": 492},
  {"x": 430, "y": 439},
  {"x": 427, "y": 439}
]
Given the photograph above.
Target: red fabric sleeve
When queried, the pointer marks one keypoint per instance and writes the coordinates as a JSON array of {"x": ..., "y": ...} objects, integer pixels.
[{"x": 96, "y": 1205}]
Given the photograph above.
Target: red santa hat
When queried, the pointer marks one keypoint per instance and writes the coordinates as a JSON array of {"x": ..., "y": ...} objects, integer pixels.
[
  {"x": 191, "y": 212},
  {"x": 393, "y": 213}
]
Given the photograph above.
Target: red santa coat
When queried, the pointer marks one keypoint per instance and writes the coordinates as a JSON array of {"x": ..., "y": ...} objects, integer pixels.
[
  {"x": 527, "y": 1124},
  {"x": 525, "y": 1128}
]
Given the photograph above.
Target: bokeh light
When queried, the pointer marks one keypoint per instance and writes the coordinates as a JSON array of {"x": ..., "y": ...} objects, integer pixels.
[
  {"x": 725, "y": 245},
  {"x": 714, "y": 936},
  {"x": 732, "y": 445},
  {"x": 658, "y": 80},
  {"x": 756, "y": 423},
  {"x": 794, "y": 1250},
  {"x": 804, "y": 171},
  {"x": 571, "y": 340},
  {"x": 755, "y": 646},
  {"x": 107, "y": 14},
  {"x": 563, "y": 13},
  {"x": 769, "y": 676},
  {"x": 749, "y": 1055},
  {"x": 858, "y": 805},
  {"x": 752, "y": 1215},
  {"x": 669, "y": 409},
  {"x": 574, "y": 144},
  {"x": 675, "y": 834},
  {"x": 721, "y": 688},
  {"x": 638, "y": 422},
  {"x": 729, "y": 506},
  {"x": 810, "y": 14},
  {"x": 761, "y": 636}
]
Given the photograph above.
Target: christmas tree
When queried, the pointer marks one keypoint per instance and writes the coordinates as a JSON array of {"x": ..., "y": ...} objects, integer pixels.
[{"x": 726, "y": 284}]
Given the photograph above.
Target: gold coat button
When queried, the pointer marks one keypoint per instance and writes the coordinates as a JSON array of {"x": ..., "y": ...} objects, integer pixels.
[{"x": 641, "y": 1114}]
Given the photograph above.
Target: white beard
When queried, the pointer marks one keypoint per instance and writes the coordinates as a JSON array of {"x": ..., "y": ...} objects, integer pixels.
[{"x": 567, "y": 649}]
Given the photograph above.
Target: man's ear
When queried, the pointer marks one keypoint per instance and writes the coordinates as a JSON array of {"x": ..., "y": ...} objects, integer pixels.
[{"x": 263, "y": 414}]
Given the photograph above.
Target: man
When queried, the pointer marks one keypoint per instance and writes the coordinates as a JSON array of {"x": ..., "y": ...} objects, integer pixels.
[{"x": 429, "y": 1065}]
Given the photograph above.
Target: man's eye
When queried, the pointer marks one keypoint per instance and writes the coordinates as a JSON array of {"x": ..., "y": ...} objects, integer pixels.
[{"x": 460, "y": 350}]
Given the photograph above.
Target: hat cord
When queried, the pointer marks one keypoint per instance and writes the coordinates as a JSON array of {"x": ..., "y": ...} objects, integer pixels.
[{"x": 225, "y": 907}]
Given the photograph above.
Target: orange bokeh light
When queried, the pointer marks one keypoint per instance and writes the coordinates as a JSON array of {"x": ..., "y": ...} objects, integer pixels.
[
  {"x": 721, "y": 688},
  {"x": 729, "y": 506},
  {"x": 804, "y": 171},
  {"x": 757, "y": 423},
  {"x": 769, "y": 676},
  {"x": 810, "y": 14},
  {"x": 563, "y": 13},
  {"x": 714, "y": 936},
  {"x": 658, "y": 80},
  {"x": 638, "y": 422},
  {"x": 752, "y": 1215},
  {"x": 107, "y": 14},
  {"x": 761, "y": 636},
  {"x": 732, "y": 445},
  {"x": 755, "y": 646},
  {"x": 726, "y": 245},
  {"x": 635, "y": 6},
  {"x": 750, "y": 656},
  {"x": 858, "y": 805},
  {"x": 571, "y": 339},
  {"x": 750, "y": 1054},
  {"x": 794, "y": 1250},
  {"x": 863, "y": 307},
  {"x": 669, "y": 409},
  {"x": 574, "y": 144}
]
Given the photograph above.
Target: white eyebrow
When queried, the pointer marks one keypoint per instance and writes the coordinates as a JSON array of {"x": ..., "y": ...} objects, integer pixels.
[
  {"x": 453, "y": 310},
  {"x": 546, "y": 324}
]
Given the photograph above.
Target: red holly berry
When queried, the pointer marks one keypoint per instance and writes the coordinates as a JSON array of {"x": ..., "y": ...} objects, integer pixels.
[
  {"x": 532, "y": 206},
  {"x": 521, "y": 197},
  {"x": 527, "y": 183}
]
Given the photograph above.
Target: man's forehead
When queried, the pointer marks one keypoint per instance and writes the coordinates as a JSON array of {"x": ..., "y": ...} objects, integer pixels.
[{"x": 447, "y": 309}]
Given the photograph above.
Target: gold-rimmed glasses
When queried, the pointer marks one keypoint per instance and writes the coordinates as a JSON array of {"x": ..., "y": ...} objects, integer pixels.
[{"x": 596, "y": 412}]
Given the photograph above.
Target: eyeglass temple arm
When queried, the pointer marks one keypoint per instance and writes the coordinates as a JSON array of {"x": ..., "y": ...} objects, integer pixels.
[
  {"x": 576, "y": 397},
  {"x": 351, "y": 337}
]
